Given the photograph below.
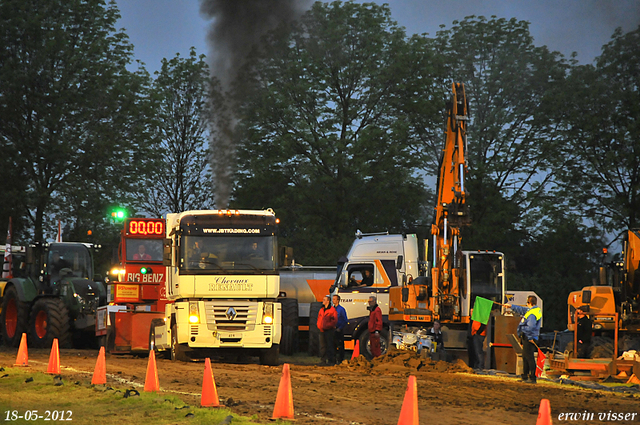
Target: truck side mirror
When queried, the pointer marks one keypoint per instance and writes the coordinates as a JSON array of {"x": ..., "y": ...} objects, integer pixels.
[
  {"x": 586, "y": 297},
  {"x": 399, "y": 262},
  {"x": 166, "y": 253}
]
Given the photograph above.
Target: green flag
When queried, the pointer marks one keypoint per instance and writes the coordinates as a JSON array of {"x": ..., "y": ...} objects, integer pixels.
[{"x": 482, "y": 310}]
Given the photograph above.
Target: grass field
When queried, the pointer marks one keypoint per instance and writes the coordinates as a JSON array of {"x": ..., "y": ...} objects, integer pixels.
[{"x": 28, "y": 397}]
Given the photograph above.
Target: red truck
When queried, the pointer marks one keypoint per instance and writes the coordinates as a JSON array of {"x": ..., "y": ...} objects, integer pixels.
[{"x": 136, "y": 288}]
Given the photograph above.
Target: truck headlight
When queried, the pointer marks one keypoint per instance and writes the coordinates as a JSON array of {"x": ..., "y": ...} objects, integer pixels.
[
  {"x": 194, "y": 313},
  {"x": 267, "y": 314}
]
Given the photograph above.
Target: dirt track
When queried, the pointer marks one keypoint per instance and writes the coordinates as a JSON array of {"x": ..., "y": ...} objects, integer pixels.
[{"x": 360, "y": 392}]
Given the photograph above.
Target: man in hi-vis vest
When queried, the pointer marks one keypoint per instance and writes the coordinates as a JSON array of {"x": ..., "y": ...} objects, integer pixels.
[{"x": 529, "y": 331}]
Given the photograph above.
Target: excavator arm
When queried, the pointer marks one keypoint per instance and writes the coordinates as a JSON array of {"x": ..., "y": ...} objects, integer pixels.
[{"x": 451, "y": 210}]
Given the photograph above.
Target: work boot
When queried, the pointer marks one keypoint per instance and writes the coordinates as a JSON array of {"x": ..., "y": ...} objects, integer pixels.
[
  {"x": 524, "y": 379},
  {"x": 532, "y": 380}
]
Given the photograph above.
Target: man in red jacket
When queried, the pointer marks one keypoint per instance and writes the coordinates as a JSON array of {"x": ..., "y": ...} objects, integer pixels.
[
  {"x": 375, "y": 326},
  {"x": 327, "y": 321}
]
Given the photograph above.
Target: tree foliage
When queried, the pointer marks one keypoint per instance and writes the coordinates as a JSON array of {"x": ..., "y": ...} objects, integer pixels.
[
  {"x": 181, "y": 179},
  {"x": 561, "y": 260},
  {"x": 601, "y": 179},
  {"x": 71, "y": 115},
  {"x": 507, "y": 79},
  {"x": 326, "y": 120}
]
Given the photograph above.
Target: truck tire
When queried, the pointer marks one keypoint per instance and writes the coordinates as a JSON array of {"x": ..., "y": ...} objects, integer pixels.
[
  {"x": 14, "y": 317},
  {"x": 289, "y": 340},
  {"x": 177, "y": 350},
  {"x": 49, "y": 320},
  {"x": 314, "y": 333},
  {"x": 165, "y": 354},
  {"x": 365, "y": 344},
  {"x": 270, "y": 356}
]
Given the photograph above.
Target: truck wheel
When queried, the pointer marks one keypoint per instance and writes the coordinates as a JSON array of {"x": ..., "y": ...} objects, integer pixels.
[
  {"x": 365, "y": 343},
  {"x": 49, "y": 320},
  {"x": 177, "y": 350},
  {"x": 152, "y": 339},
  {"x": 289, "y": 340},
  {"x": 314, "y": 333},
  {"x": 14, "y": 317},
  {"x": 270, "y": 356}
]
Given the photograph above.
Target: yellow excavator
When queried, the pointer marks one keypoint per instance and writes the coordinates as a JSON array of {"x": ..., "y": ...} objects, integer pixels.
[
  {"x": 455, "y": 277},
  {"x": 614, "y": 304}
]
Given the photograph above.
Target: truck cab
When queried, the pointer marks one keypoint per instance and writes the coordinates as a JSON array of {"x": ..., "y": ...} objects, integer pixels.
[{"x": 223, "y": 277}]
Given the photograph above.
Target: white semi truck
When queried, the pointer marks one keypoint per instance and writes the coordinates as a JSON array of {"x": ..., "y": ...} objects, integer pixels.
[{"x": 222, "y": 276}]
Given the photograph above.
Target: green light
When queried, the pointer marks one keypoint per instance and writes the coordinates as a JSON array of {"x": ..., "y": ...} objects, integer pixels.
[
  {"x": 118, "y": 214},
  {"x": 145, "y": 270}
]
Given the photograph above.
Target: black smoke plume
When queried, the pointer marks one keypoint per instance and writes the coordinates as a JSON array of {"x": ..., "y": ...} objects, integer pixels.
[{"x": 236, "y": 27}]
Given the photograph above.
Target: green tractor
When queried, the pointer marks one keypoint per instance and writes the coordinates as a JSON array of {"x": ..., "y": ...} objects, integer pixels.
[{"x": 57, "y": 298}]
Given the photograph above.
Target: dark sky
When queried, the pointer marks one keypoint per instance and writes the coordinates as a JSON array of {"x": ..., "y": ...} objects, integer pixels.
[{"x": 162, "y": 28}]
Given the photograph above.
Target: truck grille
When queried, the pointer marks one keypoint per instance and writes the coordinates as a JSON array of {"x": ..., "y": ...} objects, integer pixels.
[{"x": 231, "y": 317}]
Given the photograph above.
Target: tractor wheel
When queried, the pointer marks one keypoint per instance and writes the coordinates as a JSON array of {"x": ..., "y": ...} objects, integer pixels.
[
  {"x": 314, "y": 333},
  {"x": 14, "y": 317},
  {"x": 289, "y": 340},
  {"x": 49, "y": 320}
]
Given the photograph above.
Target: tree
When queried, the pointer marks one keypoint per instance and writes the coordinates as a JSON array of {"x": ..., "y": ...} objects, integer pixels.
[
  {"x": 71, "y": 114},
  {"x": 181, "y": 179},
  {"x": 601, "y": 179},
  {"x": 562, "y": 259},
  {"x": 511, "y": 140},
  {"x": 326, "y": 128}
]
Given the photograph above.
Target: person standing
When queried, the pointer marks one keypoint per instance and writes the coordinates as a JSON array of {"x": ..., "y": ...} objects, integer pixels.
[
  {"x": 375, "y": 326},
  {"x": 471, "y": 353},
  {"x": 342, "y": 322},
  {"x": 529, "y": 332},
  {"x": 478, "y": 333},
  {"x": 583, "y": 331},
  {"x": 327, "y": 320}
]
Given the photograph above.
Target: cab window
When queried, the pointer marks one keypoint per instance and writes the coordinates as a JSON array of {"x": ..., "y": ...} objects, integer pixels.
[{"x": 360, "y": 275}]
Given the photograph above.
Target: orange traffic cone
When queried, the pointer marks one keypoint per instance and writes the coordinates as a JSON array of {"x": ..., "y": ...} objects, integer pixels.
[
  {"x": 633, "y": 379},
  {"x": 23, "y": 356},
  {"x": 544, "y": 414},
  {"x": 100, "y": 372},
  {"x": 151, "y": 382},
  {"x": 356, "y": 350},
  {"x": 54, "y": 358},
  {"x": 409, "y": 411},
  {"x": 209, "y": 391},
  {"x": 284, "y": 400}
]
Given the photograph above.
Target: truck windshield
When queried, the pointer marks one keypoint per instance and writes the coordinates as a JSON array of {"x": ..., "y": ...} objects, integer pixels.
[
  {"x": 227, "y": 254},
  {"x": 486, "y": 271},
  {"x": 144, "y": 250},
  {"x": 73, "y": 257}
]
